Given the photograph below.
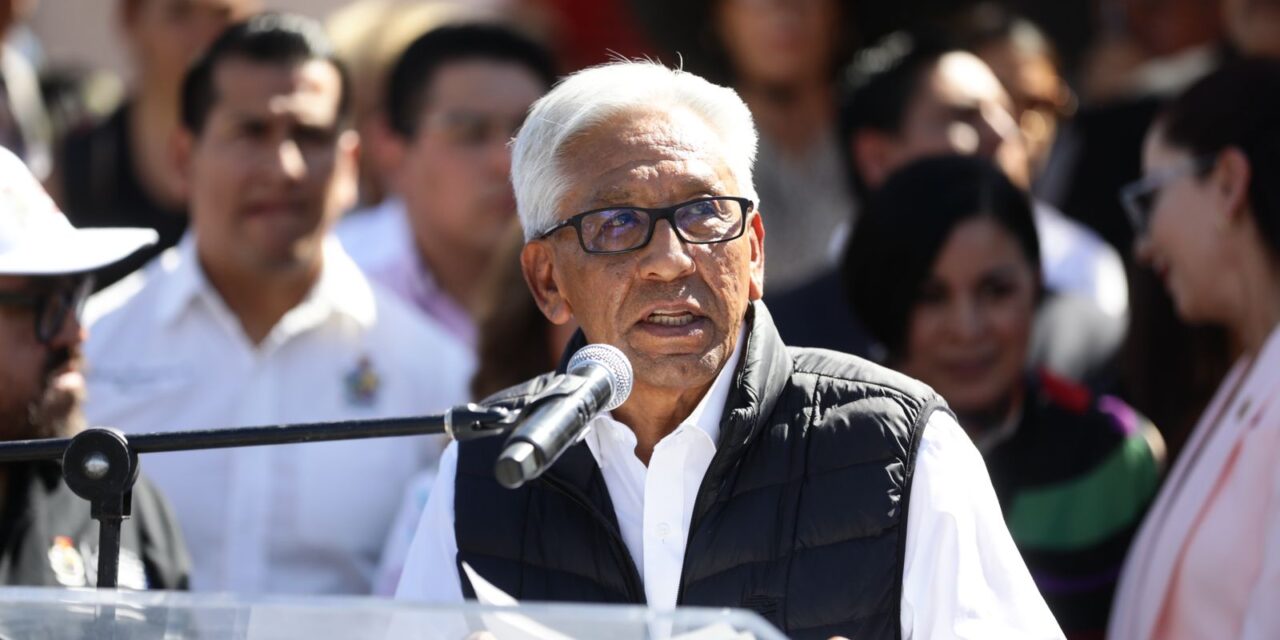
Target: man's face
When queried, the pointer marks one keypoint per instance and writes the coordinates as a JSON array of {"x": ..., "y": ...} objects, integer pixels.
[
  {"x": 455, "y": 175},
  {"x": 41, "y": 385},
  {"x": 673, "y": 308},
  {"x": 959, "y": 108},
  {"x": 272, "y": 168},
  {"x": 167, "y": 35}
]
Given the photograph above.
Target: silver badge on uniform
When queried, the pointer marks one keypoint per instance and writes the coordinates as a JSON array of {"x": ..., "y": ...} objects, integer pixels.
[
  {"x": 67, "y": 563},
  {"x": 130, "y": 572}
]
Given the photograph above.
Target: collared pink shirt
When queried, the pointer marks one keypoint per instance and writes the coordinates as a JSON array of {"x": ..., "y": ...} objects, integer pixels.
[
  {"x": 380, "y": 240},
  {"x": 407, "y": 277},
  {"x": 1206, "y": 563}
]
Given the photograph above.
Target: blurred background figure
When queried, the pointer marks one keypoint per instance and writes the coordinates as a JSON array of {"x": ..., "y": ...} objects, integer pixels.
[
  {"x": 516, "y": 343},
  {"x": 1024, "y": 60},
  {"x": 944, "y": 270},
  {"x": 46, "y": 271},
  {"x": 258, "y": 317},
  {"x": 454, "y": 100},
  {"x": 1207, "y": 219},
  {"x": 24, "y": 125},
  {"x": 1146, "y": 52},
  {"x": 912, "y": 96},
  {"x": 121, "y": 172},
  {"x": 370, "y": 36},
  {"x": 782, "y": 56}
]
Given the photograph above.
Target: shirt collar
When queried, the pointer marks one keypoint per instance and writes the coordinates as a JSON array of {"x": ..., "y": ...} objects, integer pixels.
[
  {"x": 704, "y": 418},
  {"x": 341, "y": 290}
]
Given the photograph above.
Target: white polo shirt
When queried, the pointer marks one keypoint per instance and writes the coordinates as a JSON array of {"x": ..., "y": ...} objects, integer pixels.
[
  {"x": 167, "y": 354},
  {"x": 963, "y": 576}
]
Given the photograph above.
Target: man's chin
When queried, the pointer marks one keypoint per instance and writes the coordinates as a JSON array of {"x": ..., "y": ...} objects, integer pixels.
[
  {"x": 58, "y": 414},
  {"x": 676, "y": 371}
]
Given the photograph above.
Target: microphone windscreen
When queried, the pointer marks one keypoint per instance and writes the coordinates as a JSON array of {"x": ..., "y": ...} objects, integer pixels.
[{"x": 613, "y": 360}]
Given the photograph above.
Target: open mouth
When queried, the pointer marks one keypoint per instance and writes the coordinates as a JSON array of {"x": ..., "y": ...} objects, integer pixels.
[{"x": 678, "y": 319}]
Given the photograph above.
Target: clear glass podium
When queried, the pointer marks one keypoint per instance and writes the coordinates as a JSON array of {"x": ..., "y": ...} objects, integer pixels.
[{"x": 63, "y": 614}]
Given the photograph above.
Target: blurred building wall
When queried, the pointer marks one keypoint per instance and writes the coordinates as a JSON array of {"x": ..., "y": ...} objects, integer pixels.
[{"x": 83, "y": 33}]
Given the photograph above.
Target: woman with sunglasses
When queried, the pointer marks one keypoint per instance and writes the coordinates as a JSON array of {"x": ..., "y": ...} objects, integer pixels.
[
  {"x": 944, "y": 272},
  {"x": 1207, "y": 560}
]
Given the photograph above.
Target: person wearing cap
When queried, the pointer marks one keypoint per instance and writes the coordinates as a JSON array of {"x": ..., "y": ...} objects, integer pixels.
[
  {"x": 258, "y": 317},
  {"x": 46, "y": 270}
]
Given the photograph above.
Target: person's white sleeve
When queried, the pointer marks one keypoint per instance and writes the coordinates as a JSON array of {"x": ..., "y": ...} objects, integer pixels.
[
  {"x": 963, "y": 577},
  {"x": 403, "y": 529},
  {"x": 1262, "y": 616},
  {"x": 430, "y": 570}
]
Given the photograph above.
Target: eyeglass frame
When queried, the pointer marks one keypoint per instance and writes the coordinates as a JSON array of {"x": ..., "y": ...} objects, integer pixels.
[
  {"x": 1139, "y": 216},
  {"x": 656, "y": 214},
  {"x": 74, "y": 291}
]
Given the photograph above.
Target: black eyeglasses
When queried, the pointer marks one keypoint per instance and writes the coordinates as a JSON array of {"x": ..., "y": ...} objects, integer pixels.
[
  {"x": 51, "y": 306},
  {"x": 622, "y": 229},
  {"x": 1139, "y": 196}
]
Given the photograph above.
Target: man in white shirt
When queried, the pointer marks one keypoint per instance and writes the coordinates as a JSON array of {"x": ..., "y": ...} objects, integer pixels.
[
  {"x": 832, "y": 496},
  {"x": 258, "y": 317},
  {"x": 454, "y": 99}
]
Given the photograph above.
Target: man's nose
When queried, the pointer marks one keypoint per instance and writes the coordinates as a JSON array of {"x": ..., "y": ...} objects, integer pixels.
[
  {"x": 666, "y": 257},
  {"x": 288, "y": 162},
  {"x": 1142, "y": 247},
  {"x": 71, "y": 333},
  {"x": 967, "y": 319}
]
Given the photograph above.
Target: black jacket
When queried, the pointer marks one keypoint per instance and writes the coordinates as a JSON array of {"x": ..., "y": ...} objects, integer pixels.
[
  {"x": 800, "y": 517},
  {"x": 48, "y": 539}
]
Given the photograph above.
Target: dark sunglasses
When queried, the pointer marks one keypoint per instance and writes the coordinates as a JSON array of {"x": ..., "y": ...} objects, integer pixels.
[{"x": 52, "y": 305}]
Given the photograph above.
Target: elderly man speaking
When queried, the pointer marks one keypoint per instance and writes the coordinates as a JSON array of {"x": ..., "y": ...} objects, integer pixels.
[{"x": 830, "y": 495}]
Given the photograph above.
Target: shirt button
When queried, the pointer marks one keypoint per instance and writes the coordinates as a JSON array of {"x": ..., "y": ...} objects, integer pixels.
[{"x": 664, "y": 529}]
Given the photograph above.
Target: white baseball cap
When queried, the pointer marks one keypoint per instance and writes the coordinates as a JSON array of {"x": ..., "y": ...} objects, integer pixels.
[{"x": 37, "y": 240}]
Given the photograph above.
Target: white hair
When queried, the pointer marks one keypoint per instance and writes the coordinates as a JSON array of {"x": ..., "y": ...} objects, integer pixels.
[{"x": 593, "y": 95}]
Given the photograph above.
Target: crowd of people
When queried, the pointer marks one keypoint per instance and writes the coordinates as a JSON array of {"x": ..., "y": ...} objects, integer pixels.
[{"x": 942, "y": 337}]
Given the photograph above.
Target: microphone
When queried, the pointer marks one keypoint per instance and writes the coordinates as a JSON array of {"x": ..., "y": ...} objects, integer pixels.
[{"x": 598, "y": 379}]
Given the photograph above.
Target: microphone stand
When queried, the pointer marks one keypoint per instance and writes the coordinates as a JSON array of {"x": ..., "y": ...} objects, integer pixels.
[{"x": 101, "y": 465}]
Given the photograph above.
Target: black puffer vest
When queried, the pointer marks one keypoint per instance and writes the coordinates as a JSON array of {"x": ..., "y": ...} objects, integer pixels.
[{"x": 801, "y": 516}]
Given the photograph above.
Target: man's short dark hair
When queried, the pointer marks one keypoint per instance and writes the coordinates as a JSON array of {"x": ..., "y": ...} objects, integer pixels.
[
  {"x": 268, "y": 38},
  {"x": 906, "y": 226},
  {"x": 875, "y": 90},
  {"x": 411, "y": 77}
]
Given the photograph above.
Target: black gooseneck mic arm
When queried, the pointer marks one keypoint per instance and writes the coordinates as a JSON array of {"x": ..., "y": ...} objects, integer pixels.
[{"x": 101, "y": 465}]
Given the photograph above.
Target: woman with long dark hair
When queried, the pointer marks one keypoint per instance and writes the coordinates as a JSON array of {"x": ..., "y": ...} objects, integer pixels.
[
  {"x": 943, "y": 270},
  {"x": 1207, "y": 218}
]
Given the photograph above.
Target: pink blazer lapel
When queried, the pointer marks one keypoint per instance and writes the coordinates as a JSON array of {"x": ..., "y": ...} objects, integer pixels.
[{"x": 1199, "y": 469}]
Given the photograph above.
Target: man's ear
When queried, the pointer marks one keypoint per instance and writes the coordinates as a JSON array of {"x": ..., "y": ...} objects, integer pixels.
[
  {"x": 384, "y": 147},
  {"x": 537, "y": 261},
  {"x": 874, "y": 156},
  {"x": 347, "y": 168},
  {"x": 391, "y": 151},
  {"x": 755, "y": 232}
]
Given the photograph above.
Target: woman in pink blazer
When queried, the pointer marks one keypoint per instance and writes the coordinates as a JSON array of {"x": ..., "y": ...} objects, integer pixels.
[{"x": 1206, "y": 563}]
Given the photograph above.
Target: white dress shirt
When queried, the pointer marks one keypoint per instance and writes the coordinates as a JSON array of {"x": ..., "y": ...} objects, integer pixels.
[
  {"x": 1075, "y": 259},
  {"x": 167, "y": 354},
  {"x": 963, "y": 576}
]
